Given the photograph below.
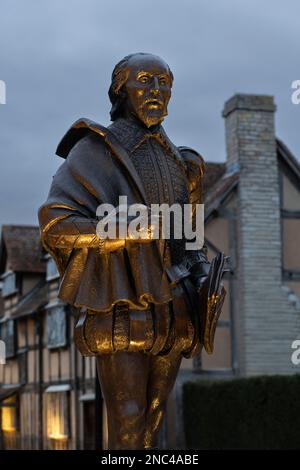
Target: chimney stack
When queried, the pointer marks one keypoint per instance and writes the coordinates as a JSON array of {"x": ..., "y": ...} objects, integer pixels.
[{"x": 266, "y": 323}]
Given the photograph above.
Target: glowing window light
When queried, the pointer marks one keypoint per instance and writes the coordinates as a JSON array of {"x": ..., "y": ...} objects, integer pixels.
[
  {"x": 56, "y": 428},
  {"x": 9, "y": 415},
  {"x": 56, "y": 415}
]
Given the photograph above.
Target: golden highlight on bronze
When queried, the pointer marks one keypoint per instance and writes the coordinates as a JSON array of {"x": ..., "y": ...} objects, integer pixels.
[{"x": 143, "y": 303}]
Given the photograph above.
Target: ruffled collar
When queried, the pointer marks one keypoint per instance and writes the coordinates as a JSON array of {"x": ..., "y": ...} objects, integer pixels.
[{"x": 131, "y": 133}]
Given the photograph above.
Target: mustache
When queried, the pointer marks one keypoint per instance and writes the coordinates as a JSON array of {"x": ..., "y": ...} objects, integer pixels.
[{"x": 153, "y": 100}]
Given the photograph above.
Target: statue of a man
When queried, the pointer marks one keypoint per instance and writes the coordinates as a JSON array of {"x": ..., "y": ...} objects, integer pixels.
[{"x": 132, "y": 314}]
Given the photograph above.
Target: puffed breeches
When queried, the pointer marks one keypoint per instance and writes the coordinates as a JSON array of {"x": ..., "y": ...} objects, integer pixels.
[{"x": 160, "y": 330}]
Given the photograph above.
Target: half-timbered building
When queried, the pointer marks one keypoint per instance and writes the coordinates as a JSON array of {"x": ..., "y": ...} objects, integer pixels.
[{"x": 49, "y": 396}]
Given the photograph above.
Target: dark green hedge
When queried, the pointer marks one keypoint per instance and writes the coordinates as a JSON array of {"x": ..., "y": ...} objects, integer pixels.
[{"x": 251, "y": 413}]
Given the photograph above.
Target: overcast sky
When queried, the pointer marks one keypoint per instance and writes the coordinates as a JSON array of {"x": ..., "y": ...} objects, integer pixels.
[{"x": 56, "y": 57}]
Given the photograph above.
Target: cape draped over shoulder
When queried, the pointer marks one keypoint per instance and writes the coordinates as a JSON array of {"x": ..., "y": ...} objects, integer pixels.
[{"x": 98, "y": 170}]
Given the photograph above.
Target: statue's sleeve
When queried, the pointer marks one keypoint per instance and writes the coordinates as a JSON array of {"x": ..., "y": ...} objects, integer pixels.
[{"x": 74, "y": 231}]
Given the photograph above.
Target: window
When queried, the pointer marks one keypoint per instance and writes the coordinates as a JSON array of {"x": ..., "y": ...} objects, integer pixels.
[
  {"x": 56, "y": 417},
  {"x": 7, "y": 334},
  {"x": 9, "y": 422},
  {"x": 9, "y": 415},
  {"x": 52, "y": 272},
  {"x": 9, "y": 284},
  {"x": 22, "y": 360},
  {"x": 56, "y": 327}
]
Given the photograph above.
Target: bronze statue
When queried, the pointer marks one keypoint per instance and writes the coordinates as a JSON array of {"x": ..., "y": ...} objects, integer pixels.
[{"x": 136, "y": 297}]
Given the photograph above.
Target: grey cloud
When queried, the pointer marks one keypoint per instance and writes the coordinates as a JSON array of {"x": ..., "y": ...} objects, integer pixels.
[{"x": 58, "y": 56}]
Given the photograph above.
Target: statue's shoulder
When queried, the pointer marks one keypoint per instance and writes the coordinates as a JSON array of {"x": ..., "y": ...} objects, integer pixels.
[
  {"x": 194, "y": 162},
  {"x": 84, "y": 134}
]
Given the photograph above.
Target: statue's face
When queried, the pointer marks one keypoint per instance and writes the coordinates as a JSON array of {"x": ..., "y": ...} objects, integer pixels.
[{"x": 148, "y": 89}]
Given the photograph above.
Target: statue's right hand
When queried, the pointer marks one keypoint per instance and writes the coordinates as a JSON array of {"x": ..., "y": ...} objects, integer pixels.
[
  {"x": 148, "y": 230},
  {"x": 143, "y": 228}
]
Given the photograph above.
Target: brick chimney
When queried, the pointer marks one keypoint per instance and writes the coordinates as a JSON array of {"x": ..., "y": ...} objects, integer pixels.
[{"x": 266, "y": 323}]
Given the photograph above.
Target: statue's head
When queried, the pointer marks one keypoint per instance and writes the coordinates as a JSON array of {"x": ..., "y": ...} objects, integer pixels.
[{"x": 141, "y": 85}]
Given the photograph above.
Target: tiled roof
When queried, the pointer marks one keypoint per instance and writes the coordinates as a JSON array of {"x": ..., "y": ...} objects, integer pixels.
[
  {"x": 22, "y": 249},
  {"x": 213, "y": 172},
  {"x": 287, "y": 156},
  {"x": 220, "y": 189},
  {"x": 33, "y": 301},
  {"x": 218, "y": 184}
]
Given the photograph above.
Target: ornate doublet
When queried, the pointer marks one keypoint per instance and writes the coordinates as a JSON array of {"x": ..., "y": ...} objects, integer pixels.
[
  {"x": 161, "y": 169},
  {"x": 127, "y": 300}
]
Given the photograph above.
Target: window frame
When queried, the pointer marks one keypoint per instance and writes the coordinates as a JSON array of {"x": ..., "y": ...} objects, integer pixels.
[{"x": 51, "y": 313}]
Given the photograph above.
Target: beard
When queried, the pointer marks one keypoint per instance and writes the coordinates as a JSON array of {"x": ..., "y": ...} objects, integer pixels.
[{"x": 151, "y": 117}]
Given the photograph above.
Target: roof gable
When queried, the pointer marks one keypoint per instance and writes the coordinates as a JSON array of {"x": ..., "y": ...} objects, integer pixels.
[{"x": 21, "y": 249}]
